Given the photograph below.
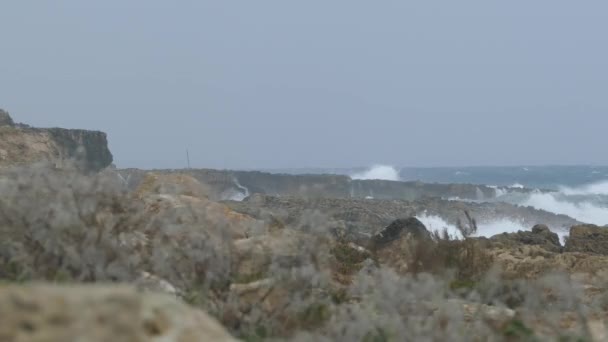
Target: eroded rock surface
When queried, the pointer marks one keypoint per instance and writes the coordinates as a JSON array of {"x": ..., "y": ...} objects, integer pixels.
[
  {"x": 588, "y": 239},
  {"x": 100, "y": 313},
  {"x": 22, "y": 145},
  {"x": 540, "y": 235}
]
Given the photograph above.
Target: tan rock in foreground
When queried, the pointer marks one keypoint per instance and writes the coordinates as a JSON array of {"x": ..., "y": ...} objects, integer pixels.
[
  {"x": 100, "y": 313},
  {"x": 171, "y": 184}
]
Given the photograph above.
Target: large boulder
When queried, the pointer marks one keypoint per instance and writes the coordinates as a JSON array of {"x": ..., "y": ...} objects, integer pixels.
[
  {"x": 411, "y": 227},
  {"x": 100, "y": 313},
  {"x": 588, "y": 239},
  {"x": 540, "y": 235},
  {"x": 193, "y": 213},
  {"x": 396, "y": 245}
]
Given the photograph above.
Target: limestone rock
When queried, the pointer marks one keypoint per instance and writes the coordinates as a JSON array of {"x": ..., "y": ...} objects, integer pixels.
[
  {"x": 172, "y": 184},
  {"x": 87, "y": 150},
  {"x": 539, "y": 236},
  {"x": 529, "y": 261},
  {"x": 215, "y": 218},
  {"x": 100, "y": 313},
  {"x": 253, "y": 256},
  {"x": 588, "y": 239}
]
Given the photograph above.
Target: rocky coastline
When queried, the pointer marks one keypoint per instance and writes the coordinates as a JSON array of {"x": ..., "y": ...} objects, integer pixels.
[{"x": 89, "y": 252}]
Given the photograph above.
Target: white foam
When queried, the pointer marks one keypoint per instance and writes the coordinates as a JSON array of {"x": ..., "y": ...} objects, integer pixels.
[
  {"x": 239, "y": 194},
  {"x": 584, "y": 211},
  {"x": 588, "y": 204},
  {"x": 501, "y": 192},
  {"x": 237, "y": 197},
  {"x": 563, "y": 234},
  {"x": 479, "y": 194},
  {"x": 243, "y": 189},
  {"x": 517, "y": 186},
  {"x": 379, "y": 172},
  {"x": 486, "y": 229},
  {"x": 500, "y": 226},
  {"x": 435, "y": 223},
  {"x": 600, "y": 188}
]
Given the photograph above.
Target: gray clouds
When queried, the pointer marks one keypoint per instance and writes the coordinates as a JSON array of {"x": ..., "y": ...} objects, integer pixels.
[{"x": 246, "y": 84}]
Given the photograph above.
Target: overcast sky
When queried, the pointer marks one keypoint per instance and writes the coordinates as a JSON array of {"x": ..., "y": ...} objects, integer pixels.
[{"x": 315, "y": 83}]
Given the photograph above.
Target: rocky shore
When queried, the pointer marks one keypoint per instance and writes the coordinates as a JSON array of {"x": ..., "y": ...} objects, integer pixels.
[
  {"x": 133, "y": 255},
  {"x": 227, "y": 184}
]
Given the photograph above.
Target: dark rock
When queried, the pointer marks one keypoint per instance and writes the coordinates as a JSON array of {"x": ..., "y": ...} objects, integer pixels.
[
  {"x": 541, "y": 232},
  {"x": 541, "y": 229},
  {"x": 5, "y": 119},
  {"x": 588, "y": 239},
  {"x": 90, "y": 148},
  {"x": 58, "y": 147},
  {"x": 410, "y": 226},
  {"x": 539, "y": 236}
]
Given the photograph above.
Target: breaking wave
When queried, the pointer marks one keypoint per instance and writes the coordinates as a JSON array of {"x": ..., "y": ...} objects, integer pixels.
[
  {"x": 582, "y": 210},
  {"x": 591, "y": 189},
  {"x": 588, "y": 204},
  {"x": 378, "y": 172},
  {"x": 486, "y": 229}
]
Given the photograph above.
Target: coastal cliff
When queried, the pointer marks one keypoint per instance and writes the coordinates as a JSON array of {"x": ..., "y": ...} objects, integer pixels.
[{"x": 21, "y": 144}]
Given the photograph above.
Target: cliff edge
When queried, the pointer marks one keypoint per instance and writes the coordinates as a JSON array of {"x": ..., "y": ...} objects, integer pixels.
[{"x": 21, "y": 144}]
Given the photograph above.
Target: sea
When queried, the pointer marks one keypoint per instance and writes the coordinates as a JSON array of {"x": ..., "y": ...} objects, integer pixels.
[{"x": 580, "y": 192}]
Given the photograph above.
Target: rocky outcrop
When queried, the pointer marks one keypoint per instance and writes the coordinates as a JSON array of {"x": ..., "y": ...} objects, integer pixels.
[
  {"x": 171, "y": 184},
  {"x": 358, "y": 219},
  {"x": 87, "y": 148},
  {"x": 539, "y": 236},
  {"x": 100, "y": 313},
  {"x": 20, "y": 145},
  {"x": 588, "y": 239},
  {"x": 529, "y": 262},
  {"x": 401, "y": 227},
  {"x": 206, "y": 216}
]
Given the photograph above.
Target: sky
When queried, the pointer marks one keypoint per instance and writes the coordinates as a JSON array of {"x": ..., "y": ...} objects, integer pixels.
[{"x": 315, "y": 83}]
